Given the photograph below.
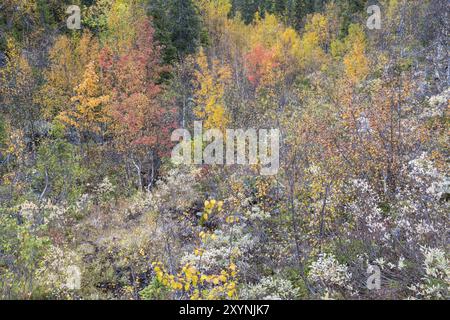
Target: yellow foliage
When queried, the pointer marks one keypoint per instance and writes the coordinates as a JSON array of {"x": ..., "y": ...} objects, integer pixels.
[
  {"x": 215, "y": 17},
  {"x": 68, "y": 60},
  {"x": 215, "y": 9},
  {"x": 121, "y": 17},
  {"x": 266, "y": 32},
  {"x": 356, "y": 64},
  {"x": 16, "y": 77},
  {"x": 194, "y": 283},
  {"x": 210, "y": 93},
  {"x": 291, "y": 51},
  {"x": 197, "y": 285},
  {"x": 88, "y": 113},
  {"x": 355, "y": 61},
  {"x": 289, "y": 43},
  {"x": 318, "y": 26},
  {"x": 313, "y": 40},
  {"x": 352, "y": 52}
]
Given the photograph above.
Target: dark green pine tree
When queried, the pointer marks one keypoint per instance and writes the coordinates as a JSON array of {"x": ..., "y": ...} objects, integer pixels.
[
  {"x": 178, "y": 27},
  {"x": 349, "y": 11},
  {"x": 248, "y": 8},
  {"x": 279, "y": 7},
  {"x": 291, "y": 11},
  {"x": 185, "y": 26},
  {"x": 302, "y": 8},
  {"x": 158, "y": 10}
]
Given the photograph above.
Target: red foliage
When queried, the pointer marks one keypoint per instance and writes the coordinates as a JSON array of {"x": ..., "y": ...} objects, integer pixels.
[
  {"x": 259, "y": 62},
  {"x": 140, "y": 119}
]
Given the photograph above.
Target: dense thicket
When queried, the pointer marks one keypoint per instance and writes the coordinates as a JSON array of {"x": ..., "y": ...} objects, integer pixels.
[{"x": 88, "y": 189}]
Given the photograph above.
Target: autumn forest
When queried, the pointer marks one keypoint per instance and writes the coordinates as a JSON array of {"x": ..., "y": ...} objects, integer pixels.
[{"x": 94, "y": 207}]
